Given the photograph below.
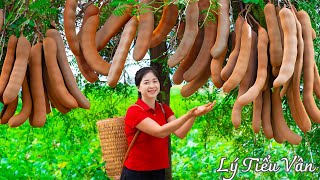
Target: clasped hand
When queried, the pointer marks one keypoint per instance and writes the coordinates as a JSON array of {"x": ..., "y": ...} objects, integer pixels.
[{"x": 202, "y": 110}]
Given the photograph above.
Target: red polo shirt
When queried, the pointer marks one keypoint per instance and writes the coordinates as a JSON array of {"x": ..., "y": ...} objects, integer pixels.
[{"x": 148, "y": 152}]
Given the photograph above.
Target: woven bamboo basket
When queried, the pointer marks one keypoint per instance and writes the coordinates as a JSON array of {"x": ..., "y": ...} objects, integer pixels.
[{"x": 113, "y": 144}]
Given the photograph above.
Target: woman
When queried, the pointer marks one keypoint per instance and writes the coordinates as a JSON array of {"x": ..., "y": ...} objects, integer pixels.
[{"x": 148, "y": 157}]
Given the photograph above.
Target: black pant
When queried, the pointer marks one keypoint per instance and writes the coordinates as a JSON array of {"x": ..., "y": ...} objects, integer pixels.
[{"x": 128, "y": 174}]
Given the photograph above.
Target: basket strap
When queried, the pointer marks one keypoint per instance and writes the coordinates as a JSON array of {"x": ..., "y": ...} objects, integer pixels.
[{"x": 132, "y": 142}]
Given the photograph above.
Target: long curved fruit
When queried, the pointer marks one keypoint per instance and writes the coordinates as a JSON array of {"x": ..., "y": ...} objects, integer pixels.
[
  {"x": 85, "y": 69},
  {"x": 242, "y": 61},
  {"x": 121, "y": 53},
  {"x": 245, "y": 84},
  {"x": 55, "y": 76},
  {"x": 232, "y": 60},
  {"x": 8, "y": 63},
  {"x": 145, "y": 29},
  {"x": 20, "y": 118},
  {"x": 68, "y": 77},
  {"x": 223, "y": 29},
  {"x": 289, "y": 27},
  {"x": 308, "y": 67},
  {"x": 69, "y": 21},
  {"x": 189, "y": 35},
  {"x": 275, "y": 51},
  {"x": 38, "y": 116},
  {"x": 254, "y": 91},
  {"x": 304, "y": 124},
  {"x": 88, "y": 47},
  {"x": 280, "y": 122},
  {"x": 111, "y": 27},
  {"x": 18, "y": 71},
  {"x": 166, "y": 23}
]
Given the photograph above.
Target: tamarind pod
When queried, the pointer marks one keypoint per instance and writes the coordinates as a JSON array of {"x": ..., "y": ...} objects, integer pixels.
[
  {"x": 8, "y": 111},
  {"x": 314, "y": 34},
  {"x": 257, "y": 113},
  {"x": 89, "y": 49},
  {"x": 180, "y": 30},
  {"x": 280, "y": 122},
  {"x": 316, "y": 82},
  {"x": 305, "y": 124},
  {"x": 242, "y": 61},
  {"x": 223, "y": 29},
  {"x": 255, "y": 90},
  {"x": 190, "y": 88},
  {"x": 232, "y": 60},
  {"x": 38, "y": 116},
  {"x": 91, "y": 10},
  {"x": 8, "y": 63},
  {"x": 203, "y": 7},
  {"x": 69, "y": 22},
  {"x": 245, "y": 84},
  {"x": 285, "y": 87},
  {"x": 266, "y": 114},
  {"x": 122, "y": 51},
  {"x": 85, "y": 69},
  {"x": 189, "y": 59},
  {"x": 289, "y": 27},
  {"x": 87, "y": 72},
  {"x": 204, "y": 58},
  {"x": 112, "y": 26},
  {"x": 278, "y": 8},
  {"x": 273, "y": 30},
  {"x": 292, "y": 106},
  {"x": 1, "y": 19},
  {"x": 308, "y": 67},
  {"x": 18, "y": 71},
  {"x": 216, "y": 67},
  {"x": 166, "y": 23},
  {"x": 145, "y": 29},
  {"x": 189, "y": 35},
  {"x": 55, "y": 78},
  {"x": 20, "y": 118},
  {"x": 52, "y": 95},
  {"x": 68, "y": 77}
]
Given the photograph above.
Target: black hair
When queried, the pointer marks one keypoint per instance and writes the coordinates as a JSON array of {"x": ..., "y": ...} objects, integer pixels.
[{"x": 141, "y": 73}]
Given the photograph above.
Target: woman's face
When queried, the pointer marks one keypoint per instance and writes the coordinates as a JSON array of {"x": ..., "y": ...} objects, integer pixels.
[{"x": 149, "y": 86}]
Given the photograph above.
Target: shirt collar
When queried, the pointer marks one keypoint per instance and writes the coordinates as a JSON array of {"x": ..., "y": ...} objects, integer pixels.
[{"x": 145, "y": 106}]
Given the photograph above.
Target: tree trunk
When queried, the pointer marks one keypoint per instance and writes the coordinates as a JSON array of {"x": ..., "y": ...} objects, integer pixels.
[{"x": 159, "y": 58}]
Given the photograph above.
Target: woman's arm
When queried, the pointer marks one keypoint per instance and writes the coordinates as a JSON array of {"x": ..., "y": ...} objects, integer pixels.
[
  {"x": 184, "y": 129},
  {"x": 151, "y": 127}
]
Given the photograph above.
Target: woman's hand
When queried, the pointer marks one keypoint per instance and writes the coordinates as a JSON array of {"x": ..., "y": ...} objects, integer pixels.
[{"x": 202, "y": 110}]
